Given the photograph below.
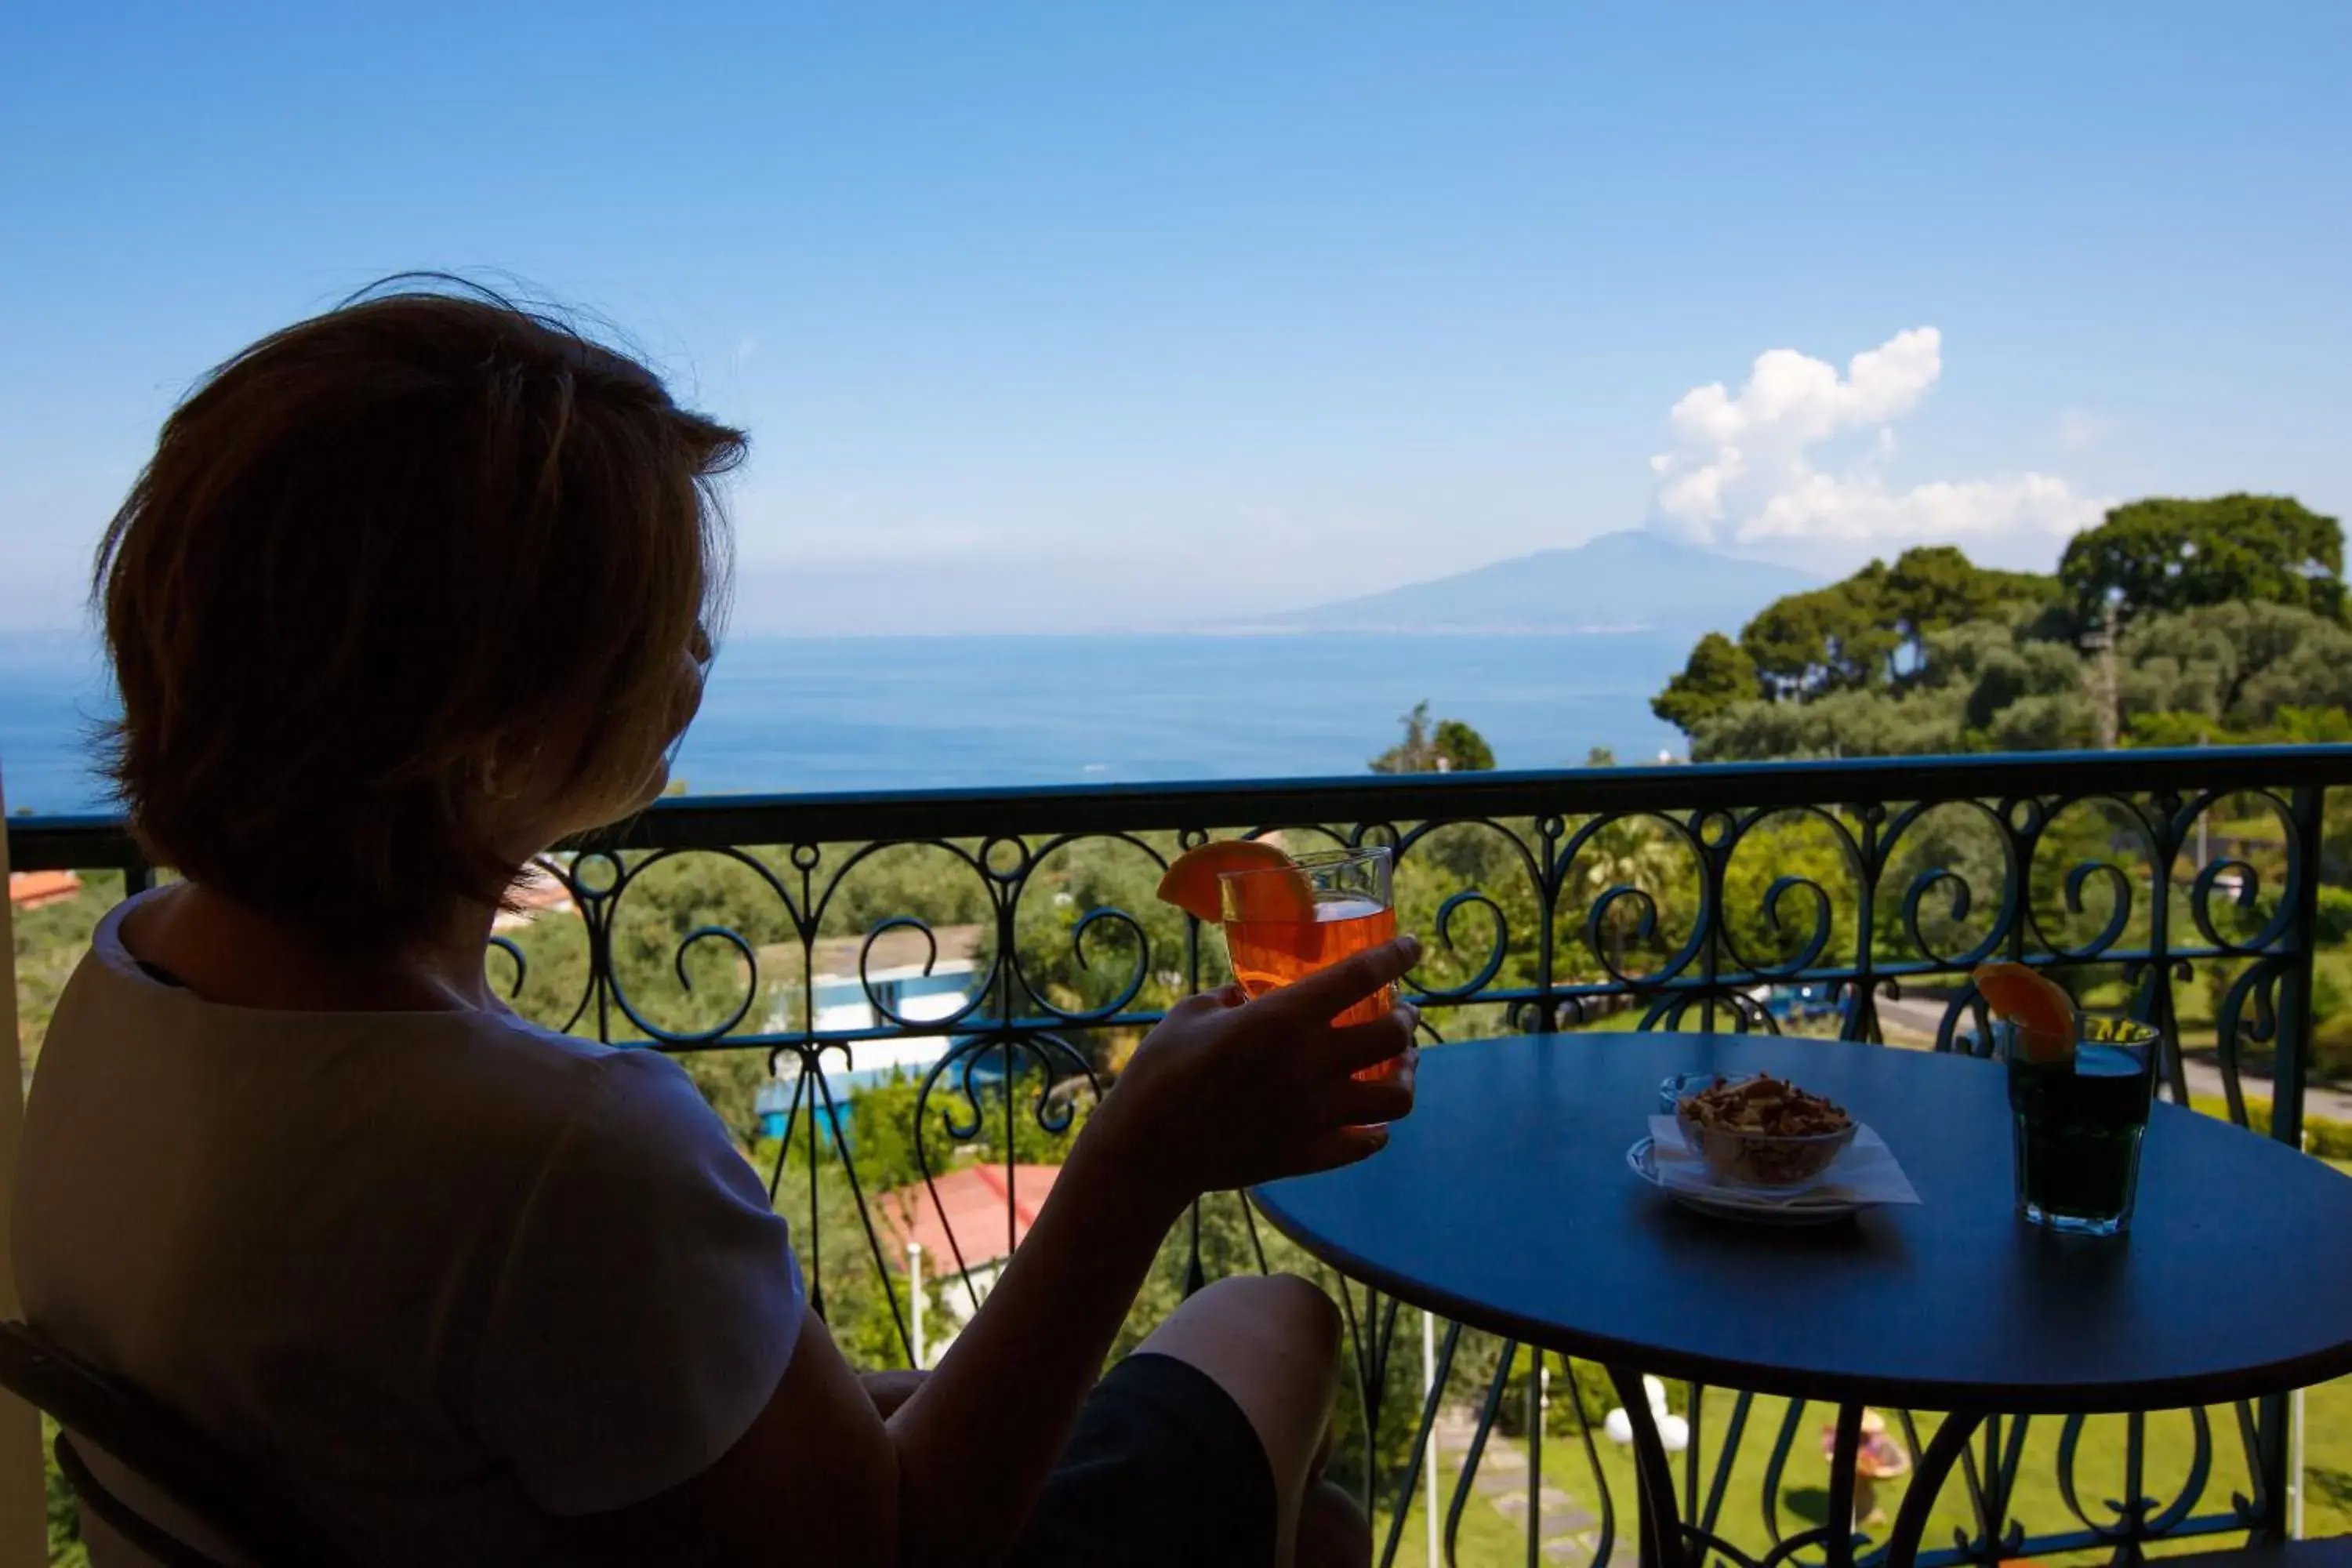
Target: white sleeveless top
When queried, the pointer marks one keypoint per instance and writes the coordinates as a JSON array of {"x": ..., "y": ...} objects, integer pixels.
[{"x": 448, "y": 1272}]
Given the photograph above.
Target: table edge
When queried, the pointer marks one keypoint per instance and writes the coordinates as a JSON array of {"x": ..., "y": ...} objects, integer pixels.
[{"x": 1990, "y": 1398}]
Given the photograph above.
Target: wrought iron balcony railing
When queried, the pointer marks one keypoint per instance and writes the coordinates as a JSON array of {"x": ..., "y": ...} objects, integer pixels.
[{"x": 887, "y": 992}]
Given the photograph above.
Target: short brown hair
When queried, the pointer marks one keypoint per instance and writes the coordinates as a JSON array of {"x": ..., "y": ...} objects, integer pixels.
[{"x": 370, "y": 552}]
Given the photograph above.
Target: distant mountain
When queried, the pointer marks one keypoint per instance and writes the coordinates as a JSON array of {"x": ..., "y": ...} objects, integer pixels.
[{"x": 1628, "y": 582}]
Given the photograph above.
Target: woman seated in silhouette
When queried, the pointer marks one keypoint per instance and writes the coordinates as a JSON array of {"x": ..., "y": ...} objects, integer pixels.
[{"x": 408, "y": 592}]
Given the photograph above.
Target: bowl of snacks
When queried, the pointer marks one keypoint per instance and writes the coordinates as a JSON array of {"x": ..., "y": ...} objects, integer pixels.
[{"x": 1762, "y": 1132}]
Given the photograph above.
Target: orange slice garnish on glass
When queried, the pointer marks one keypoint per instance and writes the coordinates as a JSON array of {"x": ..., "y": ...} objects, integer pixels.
[
  {"x": 1191, "y": 882},
  {"x": 2039, "y": 1007}
]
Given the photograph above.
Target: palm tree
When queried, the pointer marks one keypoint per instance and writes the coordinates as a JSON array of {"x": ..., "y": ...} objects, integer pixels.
[{"x": 1625, "y": 852}]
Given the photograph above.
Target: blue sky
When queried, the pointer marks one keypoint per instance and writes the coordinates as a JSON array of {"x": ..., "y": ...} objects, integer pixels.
[{"x": 1073, "y": 316}]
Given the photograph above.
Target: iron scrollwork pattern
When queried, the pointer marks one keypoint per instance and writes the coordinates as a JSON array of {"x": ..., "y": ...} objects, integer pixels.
[{"x": 1002, "y": 946}]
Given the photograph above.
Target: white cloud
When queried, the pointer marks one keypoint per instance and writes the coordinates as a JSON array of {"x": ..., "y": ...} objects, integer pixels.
[
  {"x": 1743, "y": 469},
  {"x": 1862, "y": 508}
]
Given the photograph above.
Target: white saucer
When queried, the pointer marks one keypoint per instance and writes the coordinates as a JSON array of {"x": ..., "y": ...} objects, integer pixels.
[{"x": 1812, "y": 1205}]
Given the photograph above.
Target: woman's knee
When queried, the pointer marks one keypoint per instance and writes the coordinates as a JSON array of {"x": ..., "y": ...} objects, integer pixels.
[
  {"x": 1268, "y": 1328},
  {"x": 1286, "y": 1306}
]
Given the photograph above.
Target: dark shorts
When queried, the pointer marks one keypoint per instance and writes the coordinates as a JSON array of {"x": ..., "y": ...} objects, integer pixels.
[{"x": 1163, "y": 1468}]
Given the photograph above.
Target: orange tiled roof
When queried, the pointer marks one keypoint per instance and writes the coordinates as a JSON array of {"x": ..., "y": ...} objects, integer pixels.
[
  {"x": 31, "y": 889},
  {"x": 973, "y": 1200}
]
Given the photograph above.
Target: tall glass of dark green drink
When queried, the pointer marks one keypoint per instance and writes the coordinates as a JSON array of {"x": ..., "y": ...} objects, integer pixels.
[{"x": 2079, "y": 1122}]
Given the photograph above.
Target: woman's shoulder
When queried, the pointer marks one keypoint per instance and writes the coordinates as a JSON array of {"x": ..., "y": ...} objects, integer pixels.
[{"x": 113, "y": 981}]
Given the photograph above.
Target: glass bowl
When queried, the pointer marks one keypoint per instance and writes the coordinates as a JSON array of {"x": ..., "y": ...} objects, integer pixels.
[{"x": 1762, "y": 1159}]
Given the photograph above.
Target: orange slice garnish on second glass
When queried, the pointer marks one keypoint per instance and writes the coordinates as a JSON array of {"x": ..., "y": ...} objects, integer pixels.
[
  {"x": 1191, "y": 884},
  {"x": 2039, "y": 1007}
]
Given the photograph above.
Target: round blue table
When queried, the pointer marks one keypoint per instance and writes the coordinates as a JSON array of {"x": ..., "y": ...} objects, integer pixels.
[{"x": 1505, "y": 1204}]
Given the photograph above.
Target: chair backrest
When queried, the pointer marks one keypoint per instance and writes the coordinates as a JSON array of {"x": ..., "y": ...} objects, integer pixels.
[
  {"x": 23, "y": 1524},
  {"x": 171, "y": 1457},
  {"x": 112, "y": 1529}
]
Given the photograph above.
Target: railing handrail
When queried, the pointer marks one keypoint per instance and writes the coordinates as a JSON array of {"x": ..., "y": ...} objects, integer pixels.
[{"x": 100, "y": 839}]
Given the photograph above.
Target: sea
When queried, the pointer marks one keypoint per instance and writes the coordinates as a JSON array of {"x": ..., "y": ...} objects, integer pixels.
[{"x": 793, "y": 715}]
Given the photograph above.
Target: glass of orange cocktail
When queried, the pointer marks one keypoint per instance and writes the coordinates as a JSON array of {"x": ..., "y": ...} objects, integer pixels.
[{"x": 1275, "y": 936}]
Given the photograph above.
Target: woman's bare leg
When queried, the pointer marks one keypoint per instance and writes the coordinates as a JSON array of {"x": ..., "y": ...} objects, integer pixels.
[{"x": 1272, "y": 1342}]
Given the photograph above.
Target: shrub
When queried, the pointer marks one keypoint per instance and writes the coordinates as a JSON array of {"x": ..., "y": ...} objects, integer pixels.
[
  {"x": 2335, "y": 919},
  {"x": 2331, "y": 1046},
  {"x": 2327, "y": 998},
  {"x": 2327, "y": 1140}
]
